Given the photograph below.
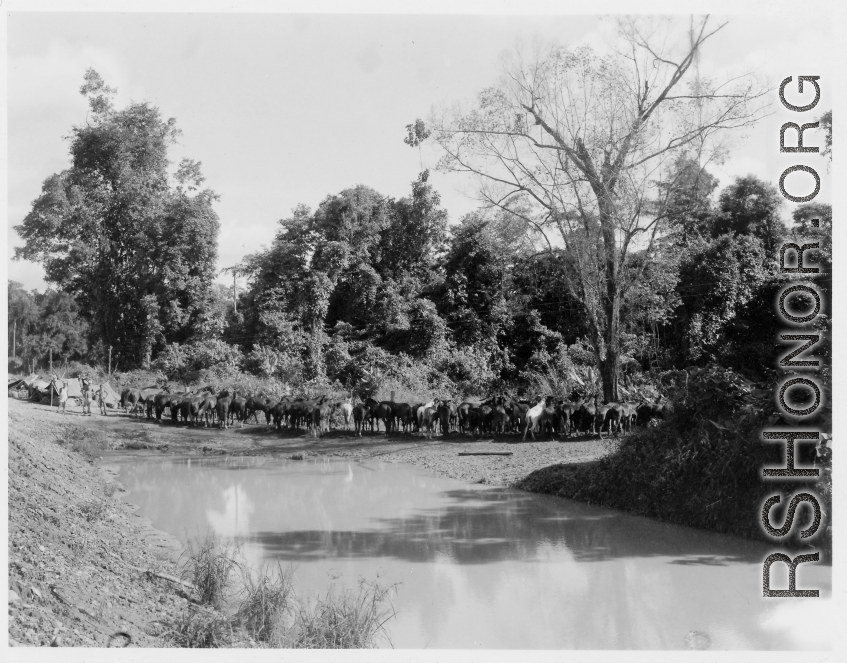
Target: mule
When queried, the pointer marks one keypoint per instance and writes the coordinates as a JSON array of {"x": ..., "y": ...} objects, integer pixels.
[{"x": 224, "y": 399}]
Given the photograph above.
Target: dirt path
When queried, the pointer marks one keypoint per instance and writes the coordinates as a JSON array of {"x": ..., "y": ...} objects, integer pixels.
[
  {"x": 439, "y": 455},
  {"x": 78, "y": 554}
]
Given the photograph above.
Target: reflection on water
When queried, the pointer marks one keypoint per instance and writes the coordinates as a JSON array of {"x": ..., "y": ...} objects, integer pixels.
[{"x": 486, "y": 567}]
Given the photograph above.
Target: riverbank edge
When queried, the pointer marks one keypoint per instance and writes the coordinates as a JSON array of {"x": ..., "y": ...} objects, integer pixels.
[
  {"x": 574, "y": 481},
  {"x": 84, "y": 568}
]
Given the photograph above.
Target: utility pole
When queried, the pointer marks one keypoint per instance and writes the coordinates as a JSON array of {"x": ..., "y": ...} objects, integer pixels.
[
  {"x": 110, "y": 361},
  {"x": 14, "y": 337},
  {"x": 234, "y": 269},
  {"x": 51, "y": 363}
]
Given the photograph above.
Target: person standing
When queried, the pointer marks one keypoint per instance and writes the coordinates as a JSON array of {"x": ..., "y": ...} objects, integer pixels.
[
  {"x": 63, "y": 397},
  {"x": 101, "y": 400},
  {"x": 85, "y": 388}
]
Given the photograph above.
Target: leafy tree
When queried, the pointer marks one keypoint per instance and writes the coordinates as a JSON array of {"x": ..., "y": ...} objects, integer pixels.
[
  {"x": 589, "y": 178},
  {"x": 52, "y": 322},
  {"x": 717, "y": 279},
  {"x": 689, "y": 208},
  {"x": 137, "y": 253},
  {"x": 357, "y": 263},
  {"x": 476, "y": 280},
  {"x": 415, "y": 234},
  {"x": 23, "y": 315},
  {"x": 750, "y": 206}
]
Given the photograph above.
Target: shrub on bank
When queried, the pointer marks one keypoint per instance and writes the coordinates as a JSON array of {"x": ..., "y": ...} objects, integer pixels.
[
  {"x": 201, "y": 627},
  {"x": 342, "y": 619},
  {"x": 268, "y": 613},
  {"x": 209, "y": 565},
  {"x": 701, "y": 466},
  {"x": 266, "y": 603}
]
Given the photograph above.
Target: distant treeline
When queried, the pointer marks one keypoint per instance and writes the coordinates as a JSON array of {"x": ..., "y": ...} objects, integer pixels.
[{"x": 369, "y": 288}]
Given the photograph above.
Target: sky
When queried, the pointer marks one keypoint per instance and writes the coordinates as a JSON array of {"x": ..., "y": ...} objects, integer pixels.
[{"x": 283, "y": 109}]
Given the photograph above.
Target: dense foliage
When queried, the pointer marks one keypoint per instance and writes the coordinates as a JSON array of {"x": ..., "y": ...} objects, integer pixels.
[
  {"x": 581, "y": 142},
  {"x": 136, "y": 251},
  {"x": 701, "y": 467},
  {"x": 369, "y": 289},
  {"x": 41, "y": 322}
]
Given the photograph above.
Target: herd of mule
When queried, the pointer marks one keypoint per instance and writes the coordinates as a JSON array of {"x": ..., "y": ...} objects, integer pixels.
[{"x": 495, "y": 415}]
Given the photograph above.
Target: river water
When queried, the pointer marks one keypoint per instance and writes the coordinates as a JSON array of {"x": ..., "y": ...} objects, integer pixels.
[{"x": 484, "y": 567}]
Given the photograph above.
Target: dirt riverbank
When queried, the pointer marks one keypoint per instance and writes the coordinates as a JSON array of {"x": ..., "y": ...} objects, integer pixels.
[
  {"x": 439, "y": 454},
  {"x": 84, "y": 570},
  {"x": 78, "y": 556}
]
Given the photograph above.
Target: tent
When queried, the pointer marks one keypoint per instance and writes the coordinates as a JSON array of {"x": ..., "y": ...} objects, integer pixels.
[
  {"x": 19, "y": 386},
  {"x": 22, "y": 383},
  {"x": 36, "y": 385},
  {"x": 39, "y": 388},
  {"x": 51, "y": 391}
]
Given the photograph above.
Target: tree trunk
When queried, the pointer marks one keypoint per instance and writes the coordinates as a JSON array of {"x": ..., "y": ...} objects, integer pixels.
[
  {"x": 609, "y": 375},
  {"x": 611, "y": 304}
]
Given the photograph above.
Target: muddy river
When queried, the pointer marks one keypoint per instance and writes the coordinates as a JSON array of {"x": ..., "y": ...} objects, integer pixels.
[{"x": 483, "y": 567}]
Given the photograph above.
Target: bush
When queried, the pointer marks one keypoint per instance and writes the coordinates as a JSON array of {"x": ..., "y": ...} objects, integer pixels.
[
  {"x": 185, "y": 363},
  {"x": 269, "y": 613},
  {"x": 550, "y": 374},
  {"x": 269, "y": 363},
  {"x": 209, "y": 564},
  {"x": 342, "y": 619},
  {"x": 267, "y": 600},
  {"x": 137, "y": 378},
  {"x": 200, "y": 627},
  {"x": 700, "y": 467},
  {"x": 473, "y": 369},
  {"x": 402, "y": 394}
]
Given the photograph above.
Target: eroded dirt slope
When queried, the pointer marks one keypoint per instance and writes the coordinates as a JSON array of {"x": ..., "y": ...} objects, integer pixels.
[{"x": 72, "y": 546}]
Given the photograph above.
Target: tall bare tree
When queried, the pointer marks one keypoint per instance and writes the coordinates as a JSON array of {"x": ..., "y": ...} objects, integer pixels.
[{"x": 586, "y": 141}]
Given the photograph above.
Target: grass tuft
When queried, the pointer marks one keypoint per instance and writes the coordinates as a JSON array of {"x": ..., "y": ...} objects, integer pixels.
[
  {"x": 209, "y": 564},
  {"x": 93, "y": 510},
  {"x": 267, "y": 601},
  {"x": 342, "y": 619},
  {"x": 269, "y": 614},
  {"x": 88, "y": 443},
  {"x": 142, "y": 439},
  {"x": 200, "y": 627}
]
